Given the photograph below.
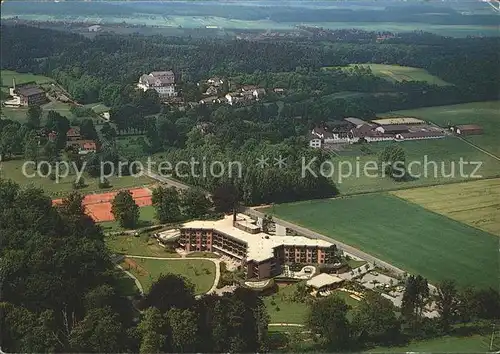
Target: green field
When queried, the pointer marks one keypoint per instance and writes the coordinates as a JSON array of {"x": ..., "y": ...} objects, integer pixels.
[
  {"x": 21, "y": 78},
  {"x": 474, "y": 203},
  {"x": 472, "y": 344},
  {"x": 486, "y": 114},
  {"x": 403, "y": 234},
  {"x": 19, "y": 113},
  {"x": 397, "y": 73},
  {"x": 200, "y": 272},
  {"x": 13, "y": 170},
  {"x": 446, "y": 153}
]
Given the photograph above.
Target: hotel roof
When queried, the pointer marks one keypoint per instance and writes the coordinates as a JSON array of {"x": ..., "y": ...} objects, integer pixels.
[{"x": 260, "y": 245}]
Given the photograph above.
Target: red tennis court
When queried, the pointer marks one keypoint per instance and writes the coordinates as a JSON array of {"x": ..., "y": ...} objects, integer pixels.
[{"x": 98, "y": 206}]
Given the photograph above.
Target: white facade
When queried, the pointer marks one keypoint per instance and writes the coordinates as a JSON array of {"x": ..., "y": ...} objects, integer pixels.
[
  {"x": 162, "y": 82},
  {"x": 315, "y": 143}
]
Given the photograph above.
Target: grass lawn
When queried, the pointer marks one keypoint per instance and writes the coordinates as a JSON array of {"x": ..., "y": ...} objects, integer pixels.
[
  {"x": 138, "y": 246},
  {"x": 353, "y": 263},
  {"x": 19, "y": 113},
  {"x": 486, "y": 114},
  {"x": 200, "y": 272},
  {"x": 13, "y": 170},
  {"x": 446, "y": 153},
  {"x": 147, "y": 217},
  {"x": 474, "y": 203},
  {"x": 21, "y": 78},
  {"x": 403, "y": 73},
  {"x": 472, "y": 344},
  {"x": 392, "y": 229},
  {"x": 289, "y": 311}
]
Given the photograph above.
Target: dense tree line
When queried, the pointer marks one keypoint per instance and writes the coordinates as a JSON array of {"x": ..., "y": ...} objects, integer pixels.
[
  {"x": 98, "y": 68},
  {"x": 59, "y": 291}
]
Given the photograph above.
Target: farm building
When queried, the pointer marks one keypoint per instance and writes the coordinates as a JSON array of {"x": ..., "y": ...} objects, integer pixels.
[
  {"x": 467, "y": 129},
  {"x": 28, "y": 94},
  {"x": 399, "y": 120},
  {"x": 95, "y": 28}
]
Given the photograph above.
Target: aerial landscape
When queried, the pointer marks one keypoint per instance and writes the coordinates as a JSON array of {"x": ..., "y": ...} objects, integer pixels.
[{"x": 250, "y": 176}]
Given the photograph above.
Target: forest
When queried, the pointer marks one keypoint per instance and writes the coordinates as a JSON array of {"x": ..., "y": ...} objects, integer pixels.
[{"x": 106, "y": 68}]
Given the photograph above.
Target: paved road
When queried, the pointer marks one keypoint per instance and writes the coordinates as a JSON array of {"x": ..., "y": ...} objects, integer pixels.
[{"x": 216, "y": 261}]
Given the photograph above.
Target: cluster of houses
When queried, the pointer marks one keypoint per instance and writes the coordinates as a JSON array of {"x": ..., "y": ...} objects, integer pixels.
[
  {"x": 356, "y": 130},
  {"x": 74, "y": 140},
  {"x": 244, "y": 95},
  {"x": 27, "y": 94}
]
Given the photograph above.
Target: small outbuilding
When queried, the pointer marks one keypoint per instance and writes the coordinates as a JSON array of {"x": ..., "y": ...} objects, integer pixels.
[
  {"x": 467, "y": 129},
  {"x": 323, "y": 282}
]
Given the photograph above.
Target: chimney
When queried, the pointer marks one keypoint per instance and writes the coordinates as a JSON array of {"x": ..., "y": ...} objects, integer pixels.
[
  {"x": 234, "y": 216},
  {"x": 14, "y": 83}
]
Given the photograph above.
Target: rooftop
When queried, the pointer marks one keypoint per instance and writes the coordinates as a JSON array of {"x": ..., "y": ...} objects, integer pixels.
[
  {"x": 322, "y": 280},
  {"x": 468, "y": 127},
  {"x": 260, "y": 245},
  {"x": 356, "y": 121},
  {"x": 29, "y": 91},
  {"x": 398, "y": 120}
]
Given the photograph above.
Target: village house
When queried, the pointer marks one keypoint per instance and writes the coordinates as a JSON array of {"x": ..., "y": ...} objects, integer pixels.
[
  {"x": 215, "y": 81},
  {"x": 83, "y": 147},
  {"x": 209, "y": 100},
  {"x": 73, "y": 134},
  {"x": 259, "y": 93},
  {"x": 211, "y": 90},
  {"x": 162, "y": 82}
]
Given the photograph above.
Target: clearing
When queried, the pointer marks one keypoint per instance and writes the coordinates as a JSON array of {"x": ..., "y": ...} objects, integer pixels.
[
  {"x": 199, "y": 272},
  {"x": 403, "y": 73},
  {"x": 390, "y": 228},
  {"x": 485, "y": 114},
  {"x": 474, "y": 203}
]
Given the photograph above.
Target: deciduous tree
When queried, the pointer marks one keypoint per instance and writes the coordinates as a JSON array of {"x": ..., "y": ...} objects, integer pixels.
[{"x": 125, "y": 210}]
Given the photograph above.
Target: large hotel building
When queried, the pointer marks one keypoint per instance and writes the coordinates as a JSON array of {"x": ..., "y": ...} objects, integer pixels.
[{"x": 238, "y": 237}]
